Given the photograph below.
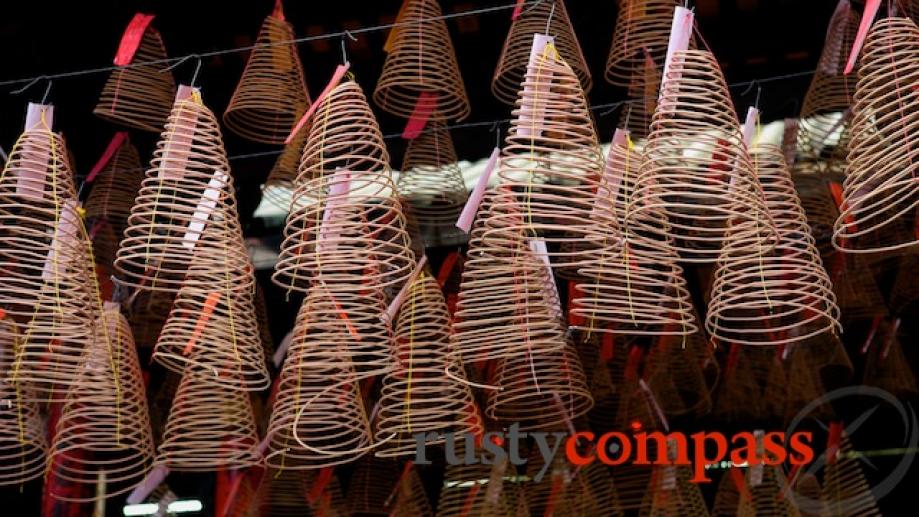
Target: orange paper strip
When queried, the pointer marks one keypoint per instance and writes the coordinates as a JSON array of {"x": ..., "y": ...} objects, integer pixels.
[{"x": 209, "y": 304}]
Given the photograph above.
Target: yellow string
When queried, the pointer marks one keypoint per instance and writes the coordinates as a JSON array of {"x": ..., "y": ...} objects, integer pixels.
[
  {"x": 406, "y": 418},
  {"x": 625, "y": 247}
]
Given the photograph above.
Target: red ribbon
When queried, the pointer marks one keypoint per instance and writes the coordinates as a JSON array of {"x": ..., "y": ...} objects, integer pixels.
[
  {"x": 518, "y": 9},
  {"x": 424, "y": 107},
  {"x": 319, "y": 484},
  {"x": 130, "y": 40},
  {"x": 106, "y": 157}
]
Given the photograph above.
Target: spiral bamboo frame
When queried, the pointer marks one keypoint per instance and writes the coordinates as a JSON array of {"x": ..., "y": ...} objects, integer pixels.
[
  {"x": 279, "y": 187},
  {"x": 104, "y": 425},
  {"x": 830, "y": 93},
  {"x": 140, "y": 95},
  {"x": 512, "y": 65},
  {"x": 845, "y": 491},
  {"x": 671, "y": 493},
  {"x": 696, "y": 168},
  {"x": 112, "y": 195},
  {"x": 318, "y": 400},
  {"x": 784, "y": 296},
  {"x": 642, "y": 25},
  {"x": 417, "y": 396},
  {"x": 421, "y": 61},
  {"x": 208, "y": 429},
  {"x": 551, "y": 167},
  {"x": 880, "y": 191},
  {"x": 188, "y": 171},
  {"x": 271, "y": 95},
  {"x": 633, "y": 290},
  {"x": 432, "y": 185},
  {"x": 213, "y": 327},
  {"x": 502, "y": 309},
  {"x": 22, "y": 438},
  {"x": 540, "y": 389},
  {"x": 365, "y": 227}
]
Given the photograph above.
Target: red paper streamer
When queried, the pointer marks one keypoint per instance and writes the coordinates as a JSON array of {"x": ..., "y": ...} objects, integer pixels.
[
  {"x": 424, "y": 107},
  {"x": 106, "y": 157},
  {"x": 130, "y": 40}
]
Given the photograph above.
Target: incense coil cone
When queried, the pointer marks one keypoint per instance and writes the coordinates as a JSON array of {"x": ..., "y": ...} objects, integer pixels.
[
  {"x": 675, "y": 376},
  {"x": 540, "y": 389},
  {"x": 502, "y": 308},
  {"x": 905, "y": 291},
  {"x": 421, "y": 61},
  {"x": 318, "y": 402},
  {"x": 727, "y": 498},
  {"x": 271, "y": 95},
  {"x": 671, "y": 493},
  {"x": 417, "y": 396},
  {"x": 888, "y": 368},
  {"x": 637, "y": 113},
  {"x": 640, "y": 25},
  {"x": 805, "y": 495},
  {"x": 830, "y": 94},
  {"x": 880, "y": 191},
  {"x": 696, "y": 169},
  {"x": 431, "y": 185},
  {"x": 804, "y": 386},
  {"x": 633, "y": 289},
  {"x": 288, "y": 493},
  {"x": 377, "y": 487},
  {"x": 148, "y": 315},
  {"x": 161, "y": 402},
  {"x": 592, "y": 492},
  {"x": 750, "y": 377},
  {"x": 845, "y": 490},
  {"x": 551, "y": 165},
  {"x": 140, "y": 95},
  {"x": 512, "y": 65},
  {"x": 778, "y": 297},
  {"x": 264, "y": 325},
  {"x": 631, "y": 482},
  {"x": 23, "y": 445},
  {"x": 104, "y": 425},
  {"x": 551, "y": 495},
  {"x": 766, "y": 497},
  {"x": 857, "y": 292},
  {"x": 460, "y": 498},
  {"x": 279, "y": 187},
  {"x": 818, "y": 206},
  {"x": 186, "y": 201},
  {"x": 208, "y": 428},
  {"x": 113, "y": 191},
  {"x": 212, "y": 325},
  {"x": 345, "y": 214}
]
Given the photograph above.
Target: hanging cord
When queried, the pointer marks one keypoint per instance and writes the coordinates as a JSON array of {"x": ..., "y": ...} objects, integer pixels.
[{"x": 344, "y": 51}]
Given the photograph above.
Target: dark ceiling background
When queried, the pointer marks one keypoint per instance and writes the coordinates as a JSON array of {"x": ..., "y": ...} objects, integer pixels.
[{"x": 752, "y": 39}]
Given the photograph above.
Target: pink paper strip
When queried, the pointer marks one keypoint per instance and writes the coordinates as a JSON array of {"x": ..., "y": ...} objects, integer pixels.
[
  {"x": 178, "y": 147},
  {"x": 204, "y": 209},
  {"x": 871, "y": 10},
  {"x": 30, "y": 183},
  {"x": 530, "y": 117},
  {"x": 64, "y": 234},
  {"x": 538, "y": 246},
  {"x": 466, "y": 217},
  {"x": 843, "y": 8},
  {"x": 106, "y": 157},
  {"x": 153, "y": 479},
  {"x": 281, "y": 352},
  {"x": 396, "y": 303},
  {"x": 131, "y": 38},
  {"x": 427, "y": 103},
  {"x": 749, "y": 126},
  {"x": 892, "y": 334},
  {"x": 339, "y": 187},
  {"x": 333, "y": 82},
  {"x": 611, "y": 172},
  {"x": 518, "y": 9},
  {"x": 653, "y": 401},
  {"x": 680, "y": 34}
]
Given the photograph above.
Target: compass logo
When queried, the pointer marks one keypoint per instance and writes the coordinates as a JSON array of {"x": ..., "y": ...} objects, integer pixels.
[{"x": 881, "y": 399}]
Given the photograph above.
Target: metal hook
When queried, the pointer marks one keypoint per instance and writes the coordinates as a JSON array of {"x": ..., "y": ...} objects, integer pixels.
[
  {"x": 613, "y": 107},
  {"x": 44, "y": 98},
  {"x": 496, "y": 129},
  {"x": 759, "y": 91},
  {"x": 29, "y": 85},
  {"x": 549, "y": 19},
  {"x": 628, "y": 115},
  {"x": 179, "y": 62},
  {"x": 194, "y": 76},
  {"x": 344, "y": 52},
  {"x": 750, "y": 86}
]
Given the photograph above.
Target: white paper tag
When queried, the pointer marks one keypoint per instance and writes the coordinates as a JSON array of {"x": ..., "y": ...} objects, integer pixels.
[
  {"x": 205, "y": 208},
  {"x": 64, "y": 235},
  {"x": 531, "y": 116}
]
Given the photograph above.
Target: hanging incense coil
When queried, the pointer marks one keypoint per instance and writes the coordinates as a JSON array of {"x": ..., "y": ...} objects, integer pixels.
[
  {"x": 318, "y": 418},
  {"x": 825, "y": 115},
  {"x": 805, "y": 495},
  {"x": 818, "y": 206},
  {"x": 417, "y": 396},
  {"x": 540, "y": 389},
  {"x": 186, "y": 202},
  {"x": 161, "y": 399},
  {"x": 636, "y": 114},
  {"x": 345, "y": 214},
  {"x": 631, "y": 482},
  {"x": 696, "y": 169},
  {"x": 857, "y": 292},
  {"x": 671, "y": 493},
  {"x": 633, "y": 290},
  {"x": 676, "y": 378},
  {"x": 766, "y": 494},
  {"x": 845, "y": 489},
  {"x": 502, "y": 309},
  {"x": 512, "y": 65},
  {"x": 783, "y": 296},
  {"x": 208, "y": 428},
  {"x": 104, "y": 425},
  {"x": 22, "y": 438},
  {"x": 880, "y": 191},
  {"x": 148, "y": 315},
  {"x": 727, "y": 498},
  {"x": 264, "y": 327},
  {"x": 286, "y": 492},
  {"x": 271, "y": 95},
  {"x": 140, "y": 94},
  {"x": 378, "y": 488},
  {"x": 752, "y": 386},
  {"x": 462, "y": 494},
  {"x": 279, "y": 187},
  {"x": 803, "y": 386},
  {"x": 114, "y": 188},
  {"x": 642, "y": 32},
  {"x": 420, "y": 64},
  {"x": 888, "y": 368},
  {"x": 550, "y": 172},
  {"x": 432, "y": 185}
]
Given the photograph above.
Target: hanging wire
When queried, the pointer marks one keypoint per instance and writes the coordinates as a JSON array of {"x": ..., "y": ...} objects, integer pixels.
[
  {"x": 549, "y": 19},
  {"x": 344, "y": 52}
]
